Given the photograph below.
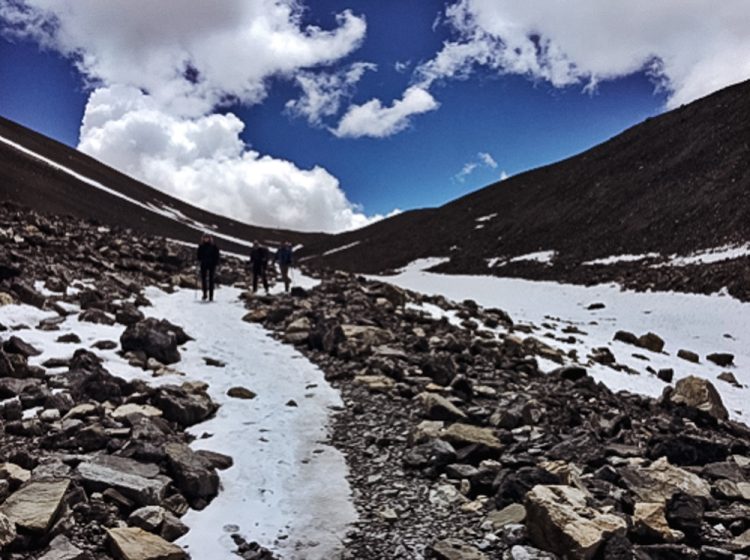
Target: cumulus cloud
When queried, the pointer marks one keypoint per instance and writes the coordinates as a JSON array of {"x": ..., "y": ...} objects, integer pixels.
[
  {"x": 690, "y": 47},
  {"x": 203, "y": 160},
  {"x": 323, "y": 92},
  {"x": 160, "y": 70},
  {"x": 483, "y": 159},
  {"x": 374, "y": 120},
  {"x": 189, "y": 55}
]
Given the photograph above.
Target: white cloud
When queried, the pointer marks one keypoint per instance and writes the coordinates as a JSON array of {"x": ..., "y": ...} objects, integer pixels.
[
  {"x": 504, "y": 175},
  {"x": 374, "y": 120},
  {"x": 189, "y": 55},
  {"x": 161, "y": 69},
  {"x": 483, "y": 159},
  {"x": 402, "y": 66},
  {"x": 322, "y": 92},
  {"x": 203, "y": 160},
  {"x": 692, "y": 47},
  {"x": 487, "y": 159}
]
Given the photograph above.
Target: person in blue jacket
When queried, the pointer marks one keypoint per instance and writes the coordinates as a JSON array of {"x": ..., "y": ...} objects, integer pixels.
[{"x": 285, "y": 258}]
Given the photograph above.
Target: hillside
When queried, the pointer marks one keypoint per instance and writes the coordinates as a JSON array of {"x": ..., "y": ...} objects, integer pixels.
[
  {"x": 671, "y": 186},
  {"x": 85, "y": 188}
]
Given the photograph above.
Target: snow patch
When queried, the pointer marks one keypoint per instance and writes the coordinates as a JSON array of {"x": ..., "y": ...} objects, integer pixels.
[
  {"x": 621, "y": 258},
  {"x": 486, "y": 218},
  {"x": 700, "y": 323},
  {"x": 708, "y": 256},
  {"x": 342, "y": 248}
]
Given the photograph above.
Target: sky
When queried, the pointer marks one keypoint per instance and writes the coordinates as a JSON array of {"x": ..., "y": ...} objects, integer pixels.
[{"x": 326, "y": 115}]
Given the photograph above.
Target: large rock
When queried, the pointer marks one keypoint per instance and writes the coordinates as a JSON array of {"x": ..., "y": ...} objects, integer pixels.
[
  {"x": 661, "y": 480},
  {"x": 651, "y": 341},
  {"x": 559, "y": 520},
  {"x": 132, "y": 543},
  {"x": 35, "y": 505},
  {"x": 16, "y": 345},
  {"x": 137, "y": 481},
  {"x": 195, "y": 478},
  {"x": 369, "y": 336},
  {"x": 155, "y": 338},
  {"x": 696, "y": 392},
  {"x": 462, "y": 435},
  {"x": 186, "y": 405},
  {"x": 437, "y": 407},
  {"x": 722, "y": 359}
]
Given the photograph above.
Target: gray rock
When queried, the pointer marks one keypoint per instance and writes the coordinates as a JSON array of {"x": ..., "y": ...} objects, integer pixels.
[
  {"x": 185, "y": 405},
  {"x": 133, "y": 543},
  {"x": 696, "y": 392},
  {"x": 139, "y": 482},
  {"x": 35, "y": 505},
  {"x": 197, "y": 480},
  {"x": 60, "y": 548}
]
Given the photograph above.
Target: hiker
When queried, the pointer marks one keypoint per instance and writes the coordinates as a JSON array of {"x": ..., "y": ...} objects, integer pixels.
[
  {"x": 285, "y": 258},
  {"x": 259, "y": 263},
  {"x": 208, "y": 256}
]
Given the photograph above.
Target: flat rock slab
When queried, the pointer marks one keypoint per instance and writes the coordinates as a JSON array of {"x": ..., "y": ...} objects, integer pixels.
[
  {"x": 138, "y": 481},
  {"x": 35, "y": 505},
  {"x": 132, "y": 543},
  {"x": 62, "y": 549}
]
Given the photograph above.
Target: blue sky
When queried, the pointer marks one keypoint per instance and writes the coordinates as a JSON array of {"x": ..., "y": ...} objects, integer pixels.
[{"x": 477, "y": 98}]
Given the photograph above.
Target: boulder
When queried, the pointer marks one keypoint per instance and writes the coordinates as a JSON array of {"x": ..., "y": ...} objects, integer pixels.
[
  {"x": 437, "y": 407},
  {"x": 461, "y": 435},
  {"x": 153, "y": 338},
  {"x": 126, "y": 410},
  {"x": 149, "y": 518},
  {"x": 128, "y": 315},
  {"x": 559, "y": 520},
  {"x": 728, "y": 377},
  {"x": 722, "y": 359},
  {"x": 455, "y": 549},
  {"x": 700, "y": 394},
  {"x": 241, "y": 393},
  {"x": 195, "y": 478},
  {"x": 133, "y": 543},
  {"x": 626, "y": 337},
  {"x": 651, "y": 341},
  {"x": 16, "y": 345},
  {"x": 136, "y": 481},
  {"x": 186, "y": 405},
  {"x": 688, "y": 355},
  {"x": 96, "y": 316},
  {"x": 661, "y": 480},
  {"x": 510, "y": 514},
  {"x": 35, "y": 505},
  {"x": 433, "y": 453},
  {"x": 666, "y": 375}
]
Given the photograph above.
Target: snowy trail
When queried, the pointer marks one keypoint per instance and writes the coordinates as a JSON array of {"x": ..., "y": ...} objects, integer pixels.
[
  {"x": 287, "y": 490},
  {"x": 702, "y": 324}
]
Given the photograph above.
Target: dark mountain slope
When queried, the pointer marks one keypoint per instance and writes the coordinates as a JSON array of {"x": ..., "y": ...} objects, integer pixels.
[
  {"x": 27, "y": 180},
  {"x": 673, "y": 184}
]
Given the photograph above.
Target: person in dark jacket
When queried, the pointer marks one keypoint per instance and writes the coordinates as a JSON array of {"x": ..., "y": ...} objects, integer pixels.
[
  {"x": 208, "y": 257},
  {"x": 285, "y": 258},
  {"x": 259, "y": 264}
]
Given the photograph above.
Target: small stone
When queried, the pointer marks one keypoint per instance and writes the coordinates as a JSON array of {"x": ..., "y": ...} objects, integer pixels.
[
  {"x": 512, "y": 514},
  {"x": 721, "y": 359},
  {"x": 455, "y": 549},
  {"x": 241, "y": 393},
  {"x": 688, "y": 355}
]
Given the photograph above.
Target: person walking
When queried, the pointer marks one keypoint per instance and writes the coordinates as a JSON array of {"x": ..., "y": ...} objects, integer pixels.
[
  {"x": 285, "y": 258},
  {"x": 259, "y": 263},
  {"x": 208, "y": 257}
]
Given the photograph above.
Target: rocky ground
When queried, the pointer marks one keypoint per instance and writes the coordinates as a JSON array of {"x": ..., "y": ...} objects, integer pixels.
[
  {"x": 461, "y": 449},
  {"x": 93, "y": 466}
]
